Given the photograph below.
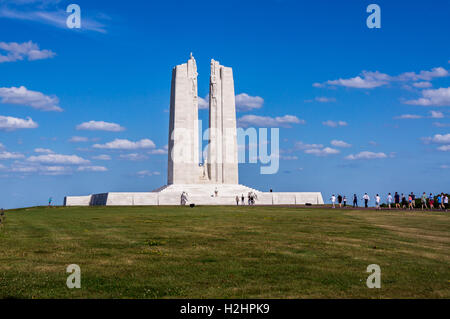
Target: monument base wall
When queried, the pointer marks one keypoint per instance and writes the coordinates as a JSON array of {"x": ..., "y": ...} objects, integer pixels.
[{"x": 208, "y": 195}]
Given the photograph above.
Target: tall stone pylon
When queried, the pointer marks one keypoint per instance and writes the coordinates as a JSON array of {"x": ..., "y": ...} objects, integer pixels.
[
  {"x": 223, "y": 151},
  {"x": 183, "y": 159}
]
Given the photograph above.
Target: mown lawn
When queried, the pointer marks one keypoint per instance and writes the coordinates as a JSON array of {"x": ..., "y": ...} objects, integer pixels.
[{"x": 223, "y": 252}]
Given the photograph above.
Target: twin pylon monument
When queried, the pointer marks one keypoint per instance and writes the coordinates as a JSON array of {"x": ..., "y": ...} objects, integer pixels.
[{"x": 213, "y": 177}]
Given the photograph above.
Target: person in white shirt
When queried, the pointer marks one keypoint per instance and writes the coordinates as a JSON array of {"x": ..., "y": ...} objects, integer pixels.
[
  {"x": 389, "y": 200},
  {"x": 445, "y": 202},
  {"x": 366, "y": 200},
  {"x": 333, "y": 200},
  {"x": 377, "y": 201}
]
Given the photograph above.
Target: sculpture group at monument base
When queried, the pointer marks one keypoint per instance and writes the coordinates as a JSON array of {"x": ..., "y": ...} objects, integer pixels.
[{"x": 210, "y": 194}]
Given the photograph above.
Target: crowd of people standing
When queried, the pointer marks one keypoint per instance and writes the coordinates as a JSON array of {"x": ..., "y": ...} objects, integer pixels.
[{"x": 397, "y": 201}]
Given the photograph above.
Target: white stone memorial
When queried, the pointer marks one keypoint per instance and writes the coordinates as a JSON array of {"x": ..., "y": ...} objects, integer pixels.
[{"x": 216, "y": 181}]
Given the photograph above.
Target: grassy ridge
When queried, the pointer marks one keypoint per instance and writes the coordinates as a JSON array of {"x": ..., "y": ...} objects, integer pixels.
[{"x": 223, "y": 252}]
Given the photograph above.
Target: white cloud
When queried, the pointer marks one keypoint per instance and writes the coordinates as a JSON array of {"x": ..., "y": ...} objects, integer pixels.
[
  {"x": 422, "y": 85},
  {"x": 444, "y": 148},
  {"x": 78, "y": 139},
  {"x": 43, "y": 150},
  {"x": 438, "y": 124},
  {"x": 438, "y": 139},
  {"x": 444, "y": 166},
  {"x": 133, "y": 157},
  {"x": 102, "y": 157},
  {"x": 267, "y": 121},
  {"x": 423, "y": 75},
  {"x": 19, "y": 51},
  {"x": 367, "y": 80},
  {"x": 124, "y": 144},
  {"x": 366, "y": 155},
  {"x": 9, "y": 155},
  {"x": 23, "y": 96},
  {"x": 323, "y": 99},
  {"x": 58, "y": 159},
  {"x": 303, "y": 146},
  {"x": 8, "y": 123},
  {"x": 50, "y": 16},
  {"x": 339, "y": 143},
  {"x": 147, "y": 173},
  {"x": 245, "y": 102},
  {"x": 437, "y": 97},
  {"x": 92, "y": 169},
  {"x": 436, "y": 115},
  {"x": 408, "y": 117},
  {"x": 288, "y": 157},
  {"x": 370, "y": 80},
  {"x": 334, "y": 124},
  {"x": 159, "y": 151},
  {"x": 203, "y": 103},
  {"x": 322, "y": 152},
  {"x": 100, "y": 126}
]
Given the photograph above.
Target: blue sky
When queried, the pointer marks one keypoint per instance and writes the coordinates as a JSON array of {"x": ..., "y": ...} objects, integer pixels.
[{"x": 368, "y": 108}]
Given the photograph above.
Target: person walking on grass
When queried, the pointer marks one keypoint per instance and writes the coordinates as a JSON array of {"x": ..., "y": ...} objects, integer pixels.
[
  {"x": 423, "y": 200},
  {"x": 355, "y": 201},
  {"x": 445, "y": 201},
  {"x": 50, "y": 202},
  {"x": 237, "y": 200},
  {"x": 345, "y": 200},
  {"x": 397, "y": 200},
  {"x": 377, "y": 201},
  {"x": 340, "y": 201},
  {"x": 404, "y": 202},
  {"x": 410, "y": 200},
  {"x": 413, "y": 197},
  {"x": 242, "y": 200},
  {"x": 389, "y": 200},
  {"x": 333, "y": 200},
  {"x": 431, "y": 200},
  {"x": 366, "y": 200}
]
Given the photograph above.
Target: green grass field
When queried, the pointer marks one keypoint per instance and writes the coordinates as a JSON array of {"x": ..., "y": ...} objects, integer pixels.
[{"x": 223, "y": 252}]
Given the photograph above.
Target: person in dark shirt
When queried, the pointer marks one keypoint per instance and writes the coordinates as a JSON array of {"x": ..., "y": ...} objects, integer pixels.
[
  {"x": 355, "y": 200},
  {"x": 397, "y": 200},
  {"x": 340, "y": 201}
]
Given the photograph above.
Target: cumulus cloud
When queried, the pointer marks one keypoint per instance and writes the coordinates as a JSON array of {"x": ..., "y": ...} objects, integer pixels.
[
  {"x": 322, "y": 151},
  {"x": 20, "y": 51},
  {"x": 159, "y": 151},
  {"x": 203, "y": 103},
  {"x": 133, "y": 157},
  {"x": 422, "y": 85},
  {"x": 92, "y": 169},
  {"x": 370, "y": 80},
  {"x": 124, "y": 144},
  {"x": 43, "y": 150},
  {"x": 444, "y": 148},
  {"x": 436, "y": 115},
  {"x": 437, "y": 97},
  {"x": 78, "y": 139},
  {"x": 145, "y": 173},
  {"x": 8, "y": 123},
  {"x": 58, "y": 159},
  {"x": 100, "y": 126},
  {"x": 102, "y": 157},
  {"x": 48, "y": 12},
  {"x": 245, "y": 102},
  {"x": 438, "y": 139},
  {"x": 302, "y": 146},
  {"x": 438, "y": 124},
  {"x": 339, "y": 143},
  {"x": 366, "y": 155},
  {"x": 267, "y": 121},
  {"x": 334, "y": 123},
  {"x": 9, "y": 155},
  {"x": 408, "y": 117},
  {"x": 23, "y": 96}
]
